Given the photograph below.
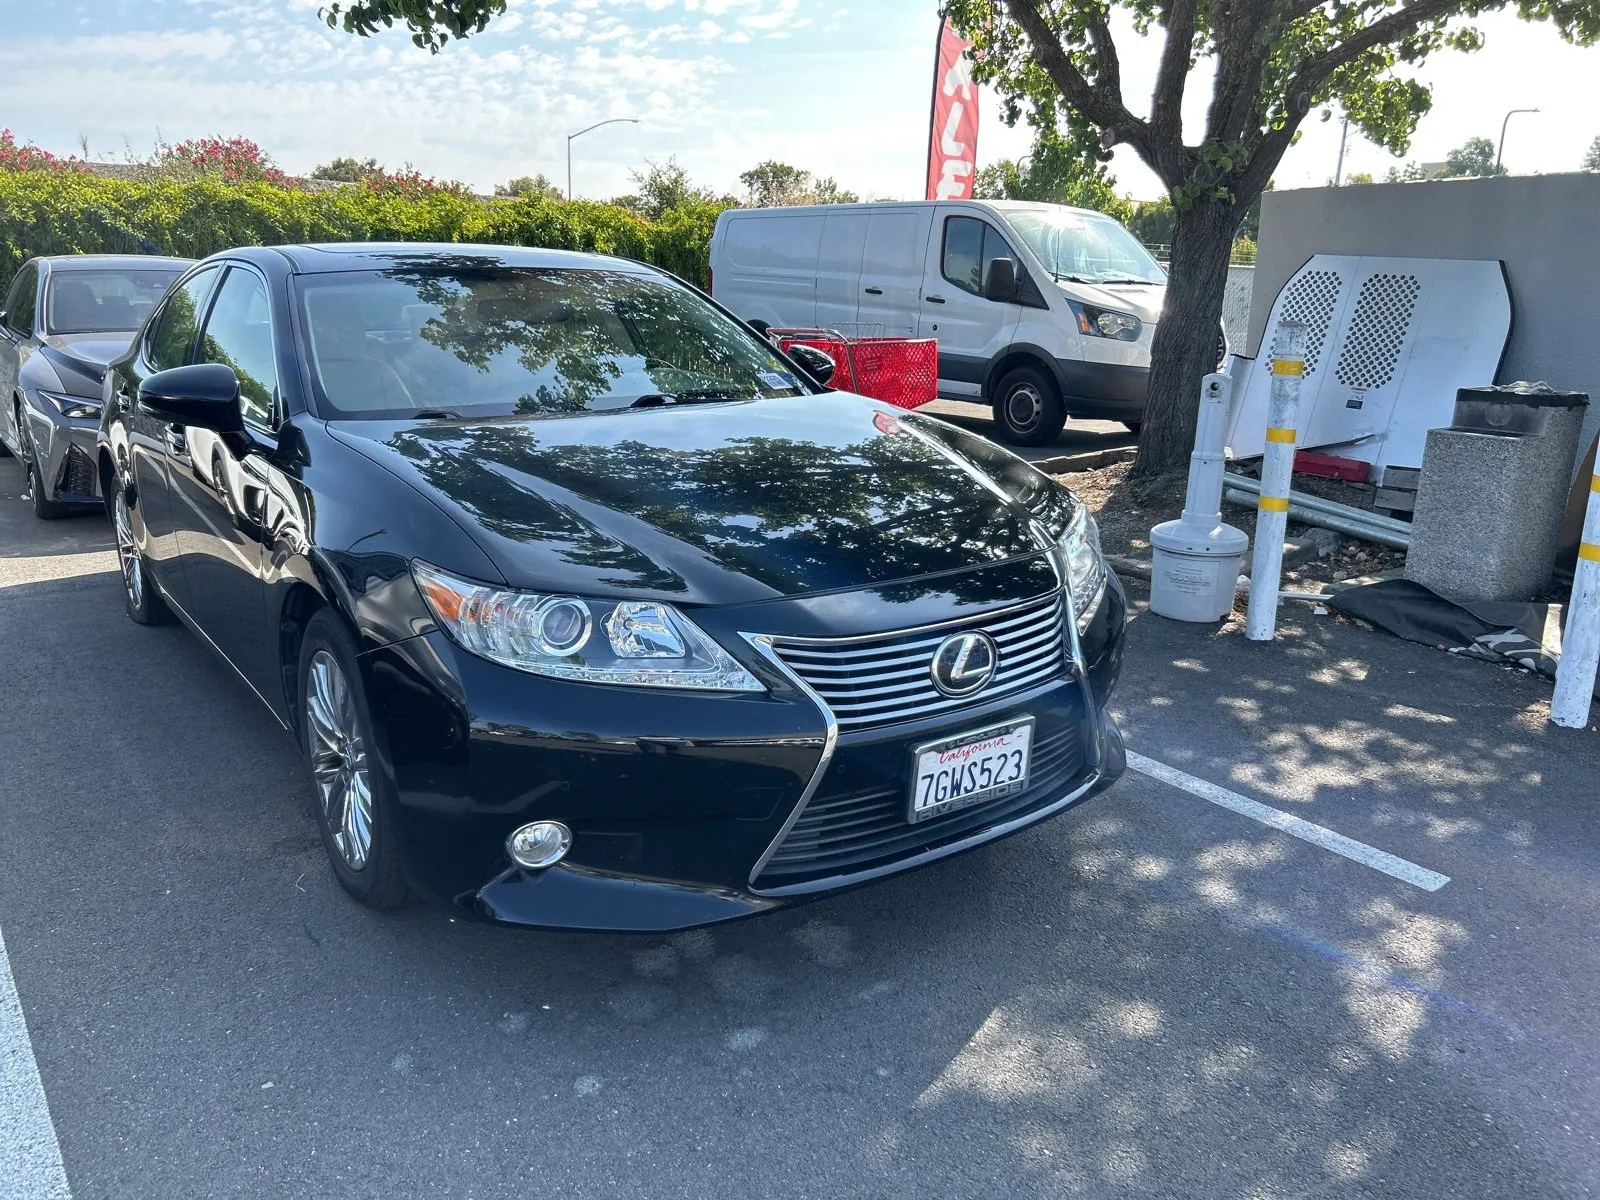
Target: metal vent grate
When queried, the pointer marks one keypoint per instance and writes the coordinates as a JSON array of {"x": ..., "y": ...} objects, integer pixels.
[
  {"x": 1378, "y": 330},
  {"x": 1312, "y": 299}
]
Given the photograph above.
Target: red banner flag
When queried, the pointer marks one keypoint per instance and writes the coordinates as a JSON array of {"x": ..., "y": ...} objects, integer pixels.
[{"x": 953, "y": 134}]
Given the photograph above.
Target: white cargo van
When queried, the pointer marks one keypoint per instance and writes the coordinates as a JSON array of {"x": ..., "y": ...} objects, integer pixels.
[{"x": 1041, "y": 310}]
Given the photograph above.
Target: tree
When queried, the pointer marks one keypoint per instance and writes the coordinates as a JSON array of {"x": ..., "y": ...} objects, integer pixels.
[
  {"x": 432, "y": 22},
  {"x": 528, "y": 185},
  {"x": 1274, "y": 62},
  {"x": 347, "y": 170},
  {"x": 1358, "y": 177},
  {"x": 1410, "y": 173},
  {"x": 1057, "y": 170},
  {"x": 1591, "y": 160},
  {"x": 663, "y": 188},
  {"x": 1474, "y": 158},
  {"x": 774, "y": 184}
]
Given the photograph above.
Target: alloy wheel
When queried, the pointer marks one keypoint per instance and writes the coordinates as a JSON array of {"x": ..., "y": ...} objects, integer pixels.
[
  {"x": 339, "y": 759},
  {"x": 128, "y": 552}
]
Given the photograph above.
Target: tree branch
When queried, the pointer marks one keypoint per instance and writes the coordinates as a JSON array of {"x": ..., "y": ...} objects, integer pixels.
[
  {"x": 1101, "y": 102},
  {"x": 1166, "y": 110},
  {"x": 1314, "y": 72}
]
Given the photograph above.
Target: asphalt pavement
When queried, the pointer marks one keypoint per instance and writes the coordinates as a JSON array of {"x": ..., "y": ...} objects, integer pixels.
[{"x": 1151, "y": 995}]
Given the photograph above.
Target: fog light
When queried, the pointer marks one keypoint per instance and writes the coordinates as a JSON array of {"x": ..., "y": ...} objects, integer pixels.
[{"x": 540, "y": 844}]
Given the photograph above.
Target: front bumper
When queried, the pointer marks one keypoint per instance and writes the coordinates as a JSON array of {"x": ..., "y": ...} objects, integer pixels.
[
  {"x": 1105, "y": 390},
  {"x": 676, "y": 822},
  {"x": 66, "y": 450}
]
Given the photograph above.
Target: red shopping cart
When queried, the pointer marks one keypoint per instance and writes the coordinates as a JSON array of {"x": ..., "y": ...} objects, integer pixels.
[{"x": 899, "y": 371}]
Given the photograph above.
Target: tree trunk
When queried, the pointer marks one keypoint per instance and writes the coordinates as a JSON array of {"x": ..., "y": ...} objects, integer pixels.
[{"x": 1185, "y": 347}]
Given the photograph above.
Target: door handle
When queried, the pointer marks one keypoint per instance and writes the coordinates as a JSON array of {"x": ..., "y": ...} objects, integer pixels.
[
  {"x": 934, "y": 299},
  {"x": 874, "y": 291},
  {"x": 177, "y": 443}
]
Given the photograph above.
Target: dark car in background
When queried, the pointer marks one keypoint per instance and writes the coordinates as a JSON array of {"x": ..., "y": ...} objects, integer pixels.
[
  {"x": 63, "y": 320},
  {"x": 587, "y": 608}
]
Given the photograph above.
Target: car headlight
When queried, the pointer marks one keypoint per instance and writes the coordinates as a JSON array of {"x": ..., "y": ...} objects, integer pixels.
[
  {"x": 1086, "y": 568},
  {"x": 80, "y": 407},
  {"x": 645, "y": 643},
  {"x": 1106, "y": 322}
]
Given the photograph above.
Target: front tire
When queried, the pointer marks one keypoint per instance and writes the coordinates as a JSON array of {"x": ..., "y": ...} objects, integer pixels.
[
  {"x": 44, "y": 507},
  {"x": 355, "y": 804},
  {"x": 139, "y": 593},
  {"x": 1027, "y": 407}
]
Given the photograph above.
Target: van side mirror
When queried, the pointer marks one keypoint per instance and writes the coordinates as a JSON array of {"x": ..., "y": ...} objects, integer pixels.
[
  {"x": 1000, "y": 280},
  {"x": 814, "y": 362},
  {"x": 204, "y": 395}
]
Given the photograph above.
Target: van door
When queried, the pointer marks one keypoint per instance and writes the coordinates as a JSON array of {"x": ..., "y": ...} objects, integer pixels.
[
  {"x": 891, "y": 272},
  {"x": 970, "y": 329},
  {"x": 767, "y": 268},
  {"x": 844, "y": 242}
]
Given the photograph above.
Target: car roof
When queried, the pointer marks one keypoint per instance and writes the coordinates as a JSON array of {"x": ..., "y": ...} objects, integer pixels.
[
  {"x": 111, "y": 262},
  {"x": 318, "y": 258}
]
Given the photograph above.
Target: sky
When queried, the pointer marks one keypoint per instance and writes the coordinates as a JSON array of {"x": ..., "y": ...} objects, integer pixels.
[{"x": 838, "y": 87}]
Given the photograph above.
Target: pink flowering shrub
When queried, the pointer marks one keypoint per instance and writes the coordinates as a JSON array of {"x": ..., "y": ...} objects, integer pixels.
[{"x": 30, "y": 158}]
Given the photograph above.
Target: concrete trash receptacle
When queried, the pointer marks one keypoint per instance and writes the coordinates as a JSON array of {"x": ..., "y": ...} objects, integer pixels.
[{"x": 1492, "y": 492}]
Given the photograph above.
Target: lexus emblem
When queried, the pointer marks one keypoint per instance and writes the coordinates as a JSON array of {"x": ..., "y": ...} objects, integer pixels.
[{"x": 963, "y": 663}]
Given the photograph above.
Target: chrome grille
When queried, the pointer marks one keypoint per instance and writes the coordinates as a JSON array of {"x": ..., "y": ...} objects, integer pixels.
[
  {"x": 884, "y": 678},
  {"x": 841, "y": 832}
]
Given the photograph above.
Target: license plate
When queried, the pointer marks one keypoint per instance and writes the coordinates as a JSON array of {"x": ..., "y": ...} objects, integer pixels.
[{"x": 970, "y": 768}]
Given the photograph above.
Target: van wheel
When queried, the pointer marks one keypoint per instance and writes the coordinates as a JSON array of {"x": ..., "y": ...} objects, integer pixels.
[{"x": 1027, "y": 407}]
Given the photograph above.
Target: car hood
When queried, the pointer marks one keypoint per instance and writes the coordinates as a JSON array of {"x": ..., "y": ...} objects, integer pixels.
[
  {"x": 1144, "y": 300},
  {"x": 723, "y": 503},
  {"x": 84, "y": 355}
]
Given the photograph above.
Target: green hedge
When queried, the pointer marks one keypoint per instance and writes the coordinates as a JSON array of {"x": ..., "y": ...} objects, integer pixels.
[{"x": 45, "y": 212}]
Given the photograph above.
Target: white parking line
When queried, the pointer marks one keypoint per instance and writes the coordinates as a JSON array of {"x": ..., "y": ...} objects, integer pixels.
[
  {"x": 30, "y": 1156},
  {"x": 1306, "y": 831}
]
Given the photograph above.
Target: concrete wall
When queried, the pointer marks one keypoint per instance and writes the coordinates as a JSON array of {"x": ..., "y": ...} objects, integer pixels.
[{"x": 1545, "y": 228}]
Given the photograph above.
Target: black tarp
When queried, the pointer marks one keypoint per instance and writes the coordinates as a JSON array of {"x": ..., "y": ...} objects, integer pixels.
[{"x": 1523, "y": 635}]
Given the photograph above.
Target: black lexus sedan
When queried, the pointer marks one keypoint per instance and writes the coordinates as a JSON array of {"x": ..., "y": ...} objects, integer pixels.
[{"x": 587, "y": 608}]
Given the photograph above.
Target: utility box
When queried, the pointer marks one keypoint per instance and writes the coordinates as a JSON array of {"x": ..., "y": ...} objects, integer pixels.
[{"x": 1492, "y": 492}]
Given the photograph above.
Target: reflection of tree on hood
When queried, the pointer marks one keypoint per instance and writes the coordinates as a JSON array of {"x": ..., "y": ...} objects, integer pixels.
[{"x": 818, "y": 506}]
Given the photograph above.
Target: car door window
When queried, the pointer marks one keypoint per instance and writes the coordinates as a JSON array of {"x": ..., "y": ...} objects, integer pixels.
[
  {"x": 170, "y": 337},
  {"x": 20, "y": 301},
  {"x": 970, "y": 245},
  {"x": 238, "y": 334}
]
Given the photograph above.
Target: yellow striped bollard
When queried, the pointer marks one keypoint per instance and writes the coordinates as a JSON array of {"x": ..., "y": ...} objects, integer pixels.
[
  {"x": 1580, "y": 642},
  {"x": 1277, "y": 468}
]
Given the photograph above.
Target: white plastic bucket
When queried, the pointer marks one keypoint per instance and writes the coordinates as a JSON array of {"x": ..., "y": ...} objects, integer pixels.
[{"x": 1192, "y": 587}]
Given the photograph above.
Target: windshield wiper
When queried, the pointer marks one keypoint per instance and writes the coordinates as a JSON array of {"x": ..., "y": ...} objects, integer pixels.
[
  {"x": 1125, "y": 279},
  {"x": 657, "y": 399},
  {"x": 1060, "y": 278}
]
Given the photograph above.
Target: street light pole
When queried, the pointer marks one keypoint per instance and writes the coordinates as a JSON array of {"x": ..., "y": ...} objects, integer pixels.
[
  {"x": 1500, "y": 149},
  {"x": 1338, "y": 170},
  {"x": 581, "y": 132}
]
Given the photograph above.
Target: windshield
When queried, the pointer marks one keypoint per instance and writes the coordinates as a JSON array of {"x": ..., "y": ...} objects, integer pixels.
[
  {"x": 1085, "y": 247},
  {"x": 103, "y": 301},
  {"x": 473, "y": 340}
]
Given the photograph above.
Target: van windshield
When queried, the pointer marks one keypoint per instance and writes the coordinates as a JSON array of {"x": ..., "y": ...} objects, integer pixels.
[{"x": 1085, "y": 247}]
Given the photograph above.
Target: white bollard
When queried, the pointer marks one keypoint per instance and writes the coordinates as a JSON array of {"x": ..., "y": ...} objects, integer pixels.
[
  {"x": 1580, "y": 643},
  {"x": 1195, "y": 560},
  {"x": 1277, "y": 470}
]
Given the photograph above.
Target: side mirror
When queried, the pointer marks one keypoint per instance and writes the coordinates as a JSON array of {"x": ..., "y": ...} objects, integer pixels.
[
  {"x": 814, "y": 362},
  {"x": 204, "y": 395},
  {"x": 1000, "y": 280}
]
